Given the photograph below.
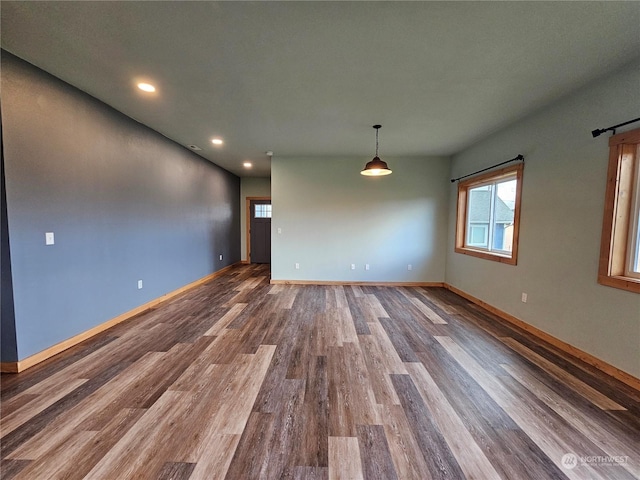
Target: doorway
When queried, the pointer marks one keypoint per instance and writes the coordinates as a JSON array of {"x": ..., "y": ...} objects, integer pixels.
[{"x": 259, "y": 230}]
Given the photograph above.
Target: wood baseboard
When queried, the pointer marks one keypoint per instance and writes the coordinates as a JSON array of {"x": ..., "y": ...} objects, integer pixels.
[
  {"x": 601, "y": 365},
  {"x": 21, "y": 365},
  {"x": 363, "y": 284},
  {"x": 9, "y": 367}
]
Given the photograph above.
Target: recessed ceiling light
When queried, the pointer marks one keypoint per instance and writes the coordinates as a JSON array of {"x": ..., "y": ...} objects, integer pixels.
[
  {"x": 146, "y": 87},
  {"x": 194, "y": 147},
  {"x": 217, "y": 141},
  {"x": 247, "y": 165}
]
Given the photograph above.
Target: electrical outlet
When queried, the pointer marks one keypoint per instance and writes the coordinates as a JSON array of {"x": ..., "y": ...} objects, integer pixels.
[
  {"x": 279, "y": 230},
  {"x": 524, "y": 297},
  {"x": 409, "y": 267},
  {"x": 353, "y": 266},
  {"x": 139, "y": 284},
  {"x": 49, "y": 238},
  {"x": 366, "y": 267},
  {"x": 297, "y": 266}
]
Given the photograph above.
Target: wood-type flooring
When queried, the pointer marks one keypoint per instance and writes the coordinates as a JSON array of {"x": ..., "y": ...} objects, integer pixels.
[{"x": 241, "y": 379}]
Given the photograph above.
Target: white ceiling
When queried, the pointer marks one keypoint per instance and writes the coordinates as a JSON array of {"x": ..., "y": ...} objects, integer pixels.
[{"x": 311, "y": 78}]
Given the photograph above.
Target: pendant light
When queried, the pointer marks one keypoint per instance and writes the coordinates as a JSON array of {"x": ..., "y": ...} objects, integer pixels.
[{"x": 376, "y": 167}]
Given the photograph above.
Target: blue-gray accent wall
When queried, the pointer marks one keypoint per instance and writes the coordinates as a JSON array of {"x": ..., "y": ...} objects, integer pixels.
[
  {"x": 124, "y": 203},
  {"x": 8, "y": 346}
]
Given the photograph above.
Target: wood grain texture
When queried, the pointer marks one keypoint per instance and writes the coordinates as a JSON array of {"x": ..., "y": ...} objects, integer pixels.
[
  {"x": 374, "y": 453},
  {"x": 344, "y": 459},
  {"x": 176, "y": 471},
  {"x": 437, "y": 454},
  {"x": 620, "y": 445},
  {"x": 38, "y": 403},
  {"x": 241, "y": 379},
  {"x": 471, "y": 458},
  {"x": 535, "y": 421},
  {"x": 576, "y": 384},
  {"x": 404, "y": 448}
]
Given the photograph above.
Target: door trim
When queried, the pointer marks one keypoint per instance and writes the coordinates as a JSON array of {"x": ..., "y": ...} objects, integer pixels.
[{"x": 248, "y": 223}]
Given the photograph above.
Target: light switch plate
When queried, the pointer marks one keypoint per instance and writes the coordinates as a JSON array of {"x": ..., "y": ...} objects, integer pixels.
[{"x": 49, "y": 238}]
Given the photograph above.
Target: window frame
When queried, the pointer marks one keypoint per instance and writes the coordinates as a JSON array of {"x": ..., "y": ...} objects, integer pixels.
[
  {"x": 621, "y": 204},
  {"x": 461, "y": 214}
]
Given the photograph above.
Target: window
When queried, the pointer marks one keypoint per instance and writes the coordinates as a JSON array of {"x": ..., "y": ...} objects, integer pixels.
[
  {"x": 620, "y": 248},
  {"x": 489, "y": 215},
  {"x": 262, "y": 211}
]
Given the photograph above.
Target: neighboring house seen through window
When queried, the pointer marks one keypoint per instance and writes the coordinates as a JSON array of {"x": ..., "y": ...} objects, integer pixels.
[
  {"x": 620, "y": 248},
  {"x": 488, "y": 215}
]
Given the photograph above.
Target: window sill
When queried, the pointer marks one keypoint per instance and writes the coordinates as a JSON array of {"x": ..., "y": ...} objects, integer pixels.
[
  {"x": 624, "y": 283},
  {"x": 495, "y": 257}
]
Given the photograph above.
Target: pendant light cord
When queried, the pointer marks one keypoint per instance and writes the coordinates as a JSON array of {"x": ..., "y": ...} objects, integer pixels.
[{"x": 377, "y": 127}]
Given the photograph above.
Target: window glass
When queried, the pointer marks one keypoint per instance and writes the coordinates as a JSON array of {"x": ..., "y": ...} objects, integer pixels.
[
  {"x": 262, "y": 211},
  {"x": 633, "y": 260},
  {"x": 478, "y": 235},
  {"x": 490, "y": 215}
]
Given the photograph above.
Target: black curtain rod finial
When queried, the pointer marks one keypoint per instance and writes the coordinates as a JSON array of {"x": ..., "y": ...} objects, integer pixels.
[{"x": 600, "y": 131}]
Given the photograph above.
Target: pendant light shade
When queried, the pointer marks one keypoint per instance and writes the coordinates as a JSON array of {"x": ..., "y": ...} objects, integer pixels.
[{"x": 376, "y": 167}]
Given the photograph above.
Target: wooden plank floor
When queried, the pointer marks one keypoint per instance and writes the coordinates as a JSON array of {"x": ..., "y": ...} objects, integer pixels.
[{"x": 240, "y": 379}]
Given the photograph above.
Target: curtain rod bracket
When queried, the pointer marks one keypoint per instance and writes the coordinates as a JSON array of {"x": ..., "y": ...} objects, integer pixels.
[{"x": 519, "y": 157}]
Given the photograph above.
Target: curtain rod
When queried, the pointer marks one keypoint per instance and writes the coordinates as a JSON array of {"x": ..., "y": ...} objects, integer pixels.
[
  {"x": 519, "y": 157},
  {"x": 599, "y": 131}
]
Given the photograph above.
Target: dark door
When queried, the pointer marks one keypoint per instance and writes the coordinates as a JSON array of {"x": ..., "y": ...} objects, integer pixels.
[{"x": 260, "y": 231}]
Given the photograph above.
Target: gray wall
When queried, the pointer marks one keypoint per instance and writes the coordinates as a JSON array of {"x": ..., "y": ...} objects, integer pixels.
[
  {"x": 330, "y": 216},
  {"x": 561, "y": 221},
  {"x": 250, "y": 187},
  {"x": 124, "y": 202}
]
